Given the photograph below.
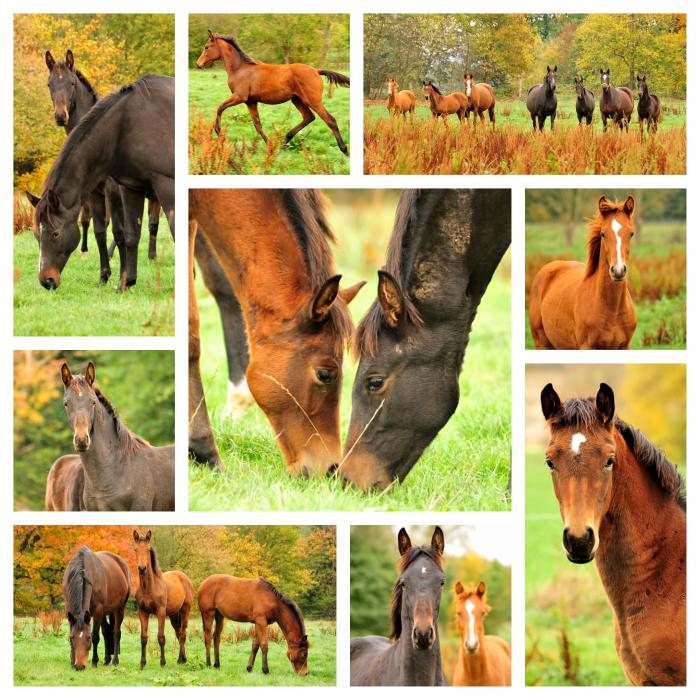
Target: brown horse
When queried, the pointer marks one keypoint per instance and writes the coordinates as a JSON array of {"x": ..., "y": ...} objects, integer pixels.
[
  {"x": 64, "y": 485},
  {"x": 161, "y": 593},
  {"x": 648, "y": 107},
  {"x": 616, "y": 103},
  {"x": 252, "y": 600},
  {"x": 480, "y": 98},
  {"x": 252, "y": 81},
  {"x": 444, "y": 105},
  {"x": 577, "y": 306},
  {"x": 399, "y": 102},
  {"x": 484, "y": 659},
  {"x": 623, "y": 503},
  {"x": 273, "y": 245},
  {"x": 96, "y": 586}
]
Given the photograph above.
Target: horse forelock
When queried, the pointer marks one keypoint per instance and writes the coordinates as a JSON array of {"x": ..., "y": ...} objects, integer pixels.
[{"x": 232, "y": 42}]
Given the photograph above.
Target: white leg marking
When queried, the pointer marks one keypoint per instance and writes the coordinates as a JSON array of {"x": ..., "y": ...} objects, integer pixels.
[
  {"x": 469, "y": 607},
  {"x": 576, "y": 441}
]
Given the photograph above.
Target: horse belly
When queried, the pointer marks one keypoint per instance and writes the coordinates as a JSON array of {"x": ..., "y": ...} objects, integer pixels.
[{"x": 557, "y": 311}]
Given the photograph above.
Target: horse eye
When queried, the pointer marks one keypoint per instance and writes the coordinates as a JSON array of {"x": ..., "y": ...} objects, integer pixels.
[
  {"x": 442, "y": 583},
  {"x": 325, "y": 376},
  {"x": 610, "y": 463},
  {"x": 631, "y": 234},
  {"x": 54, "y": 233},
  {"x": 375, "y": 383},
  {"x": 549, "y": 463}
]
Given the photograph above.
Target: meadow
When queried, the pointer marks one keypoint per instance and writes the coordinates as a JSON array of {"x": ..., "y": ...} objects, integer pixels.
[
  {"x": 82, "y": 306},
  {"x": 240, "y": 150},
  {"x": 657, "y": 277},
  {"x": 394, "y": 147},
  {"x": 42, "y": 657}
]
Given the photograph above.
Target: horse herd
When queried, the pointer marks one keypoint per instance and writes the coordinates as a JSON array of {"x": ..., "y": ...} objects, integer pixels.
[
  {"x": 615, "y": 104},
  {"x": 97, "y": 585}
]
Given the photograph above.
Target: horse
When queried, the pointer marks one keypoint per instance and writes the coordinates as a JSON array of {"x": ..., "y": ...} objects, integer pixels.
[
  {"x": 252, "y": 81},
  {"x": 480, "y": 98},
  {"x": 622, "y": 503},
  {"x": 128, "y": 136},
  {"x": 121, "y": 470},
  {"x": 255, "y": 600},
  {"x": 648, "y": 107},
  {"x": 399, "y": 102},
  {"x": 588, "y": 306},
  {"x": 542, "y": 101},
  {"x": 278, "y": 260},
  {"x": 616, "y": 103},
  {"x": 585, "y": 101},
  {"x": 96, "y": 586},
  {"x": 161, "y": 593},
  {"x": 443, "y": 251},
  {"x": 484, "y": 659},
  {"x": 411, "y": 654},
  {"x": 444, "y": 105},
  {"x": 64, "y": 485}
]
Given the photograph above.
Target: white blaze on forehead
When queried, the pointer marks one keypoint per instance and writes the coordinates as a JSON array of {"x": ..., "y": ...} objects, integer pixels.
[
  {"x": 423, "y": 570},
  {"x": 469, "y": 607},
  {"x": 616, "y": 226},
  {"x": 576, "y": 441},
  {"x": 469, "y": 88}
]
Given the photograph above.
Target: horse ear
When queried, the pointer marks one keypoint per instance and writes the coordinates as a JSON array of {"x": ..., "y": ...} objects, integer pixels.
[
  {"x": 66, "y": 376},
  {"x": 547, "y": 69},
  {"x": 71, "y": 618},
  {"x": 601, "y": 71},
  {"x": 605, "y": 205},
  {"x": 349, "y": 293},
  {"x": 50, "y": 60},
  {"x": 438, "y": 541},
  {"x": 86, "y": 617},
  {"x": 136, "y": 536},
  {"x": 391, "y": 298},
  {"x": 481, "y": 589},
  {"x": 33, "y": 199},
  {"x": 90, "y": 374},
  {"x": 459, "y": 588},
  {"x": 321, "y": 305},
  {"x": 629, "y": 205},
  {"x": 404, "y": 541},
  {"x": 550, "y": 401},
  {"x": 70, "y": 62},
  {"x": 605, "y": 403},
  {"x": 54, "y": 200},
  {"x": 148, "y": 536},
  {"x": 210, "y": 34},
  {"x": 555, "y": 69}
]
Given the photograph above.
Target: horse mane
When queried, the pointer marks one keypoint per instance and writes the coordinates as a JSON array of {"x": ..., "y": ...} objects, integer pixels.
[
  {"x": 129, "y": 441},
  {"x": 286, "y": 600},
  {"x": 595, "y": 232},
  {"x": 580, "y": 413},
  {"x": 408, "y": 557},
  {"x": 82, "y": 79},
  {"x": 435, "y": 87},
  {"x": 77, "y": 576},
  {"x": 367, "y": 336},
  {"x": 154, "y": 563},
  {"x": 230, "y": 40}
]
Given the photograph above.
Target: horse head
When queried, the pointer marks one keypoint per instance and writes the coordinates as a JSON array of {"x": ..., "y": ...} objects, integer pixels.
[
  {"x": 80, "y": 402},
  {"x": 605, "y": 79},
  {"x": 63, "y": 85},
  {"x": 616, "y": 232},
  {"x": 642, "y": 88},
  {"x": 550, "y": 79},
  {"x": 210, "y": 53},
  {"x": 472, "y": 608}
]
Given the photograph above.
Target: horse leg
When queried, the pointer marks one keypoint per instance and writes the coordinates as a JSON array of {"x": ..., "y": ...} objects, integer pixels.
[
  {"x": 85, "y": 224},
  {"x": 107, "y": 627},
  {"x": 534, "y": 122},
  {"x": 207, "y": 619},
  {"x": 481, "y": 117},
  {"x": 143, "y": 618},
  {"x": 492, "y": 115},
  {"x": 160, "y": 614},
  {"x": 261, "y": 634},
  {"x": 184, "y": 621},
  {"x": 99, "y": 217},
  {"x": 117, "y": 632},
  {"x": 153, "y": 219},
  {"x": 307, "y": 116},
  {"x": 133, "y": 216},
  {"x": 255, "y": 116},
  {"x": 96, "y": 627},
  {"x": 253, "y": 652},
  {"x": 218, "y": 629},
  {"x": 541, "y": 119},
  {"x": 327, "y": 117},
  {"x": 551, "y": 120},
  {"x": 231, "y": 102},
  {"x": 175, "y": 622}
]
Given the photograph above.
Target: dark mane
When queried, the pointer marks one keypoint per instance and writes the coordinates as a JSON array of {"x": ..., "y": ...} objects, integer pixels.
[
  {"x": 75, "y": 585},
  {"x": 154, "y": 563},
  {"x": 87, "y": 86},
  {"x": 435, "y": 87},
  {"x": 595, "y": 231},
  {"x": 128, "y": 440},
  {"x": 409, "y": 556},
  {"x": 244, "y": 56},
  {"x": 296, "y": 611}
]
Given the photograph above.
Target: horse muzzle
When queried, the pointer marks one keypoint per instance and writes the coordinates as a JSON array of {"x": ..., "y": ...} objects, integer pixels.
[
  {"x": 61, "y": 118},
  {"x": 579, "y": 549},
  {"x": 618, "y": 274},
  {"x": 471, "y": 648},
  {"x": 50, "y": 278},
  {"x": 423, "y": 639},
  {"x": 81, "y": 443}
]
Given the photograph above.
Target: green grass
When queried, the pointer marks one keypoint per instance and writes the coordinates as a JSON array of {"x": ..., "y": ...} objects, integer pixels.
[
  {"x": 42, "y": 659},
  {"x": 81, "y": 306},
  {"x": 312, "y": 151}
]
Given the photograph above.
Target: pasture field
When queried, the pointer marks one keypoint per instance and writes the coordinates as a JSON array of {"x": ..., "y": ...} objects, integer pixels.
[
  {"x": 42, "y": 658},
  {"x": 657, "y": 277},
  {"x": 82, "y": 306},
  {"x": 240, "y": 150},
  {"x": 392, "y": 147}
]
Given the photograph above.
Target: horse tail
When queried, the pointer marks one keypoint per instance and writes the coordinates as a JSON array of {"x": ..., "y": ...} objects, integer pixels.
[{"x": 335, "y": 78}]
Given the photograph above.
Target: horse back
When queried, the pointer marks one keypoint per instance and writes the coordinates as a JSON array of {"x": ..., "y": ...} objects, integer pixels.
[
  {"x": 115, "y": 580},
  {"x": 64, "y": 485},
  {"x": 364, "y": 655},
  {"x": 490, "y": 95}
]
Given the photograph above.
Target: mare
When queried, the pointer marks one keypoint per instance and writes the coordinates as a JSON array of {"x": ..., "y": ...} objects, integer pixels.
[
  {"x": 484, "y": 659},
  {"x": 273, "y": 247},
  {"x": 616, "y": 103},
  {"x": 64, "y": 485},
  {"x": 585, "y": 101},
  {"x": 542, "y": 101},
  {"x": 648, "y": 107},
  {"x": 444, "y": 105},
  {"x": 120, "y": 469},
  {"x": 480, "y": 98},
  {"x": 161, "y": 593},
  {"x": 252, "y": 81},
  {"x": 443, "y": 251},
  {"x": 399, "y": 102},
  {"x": 411, "y": 654},
  {"x": 96, "y": 586},
  {"x": 255, "y": 600},
  {"x": 588, "y": 306},
  {"x": 622, "y": 503}
]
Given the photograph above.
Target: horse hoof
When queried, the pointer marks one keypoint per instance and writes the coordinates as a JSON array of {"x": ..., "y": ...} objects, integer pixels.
[
  {"x": 162, "y": 663},
  {"x": 217, "y": 664},
  {"x": 249, "y": 668},
  {"x": 115, "y": 661},
  {"x": 181, "y": 661},
  {"x": 266, "y": 671},
  {"x": 345, "y": 150}
]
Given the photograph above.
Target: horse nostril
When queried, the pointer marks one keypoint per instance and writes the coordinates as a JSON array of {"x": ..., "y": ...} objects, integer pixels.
[
  {"x": 591, "y": 535},
  {"x": 624, "y": 269}
]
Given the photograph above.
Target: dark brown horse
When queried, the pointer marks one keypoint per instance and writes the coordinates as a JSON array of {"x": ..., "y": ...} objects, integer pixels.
[
  {"x": 96, "y": 586},
  {"x": 585, "y": 101},
  {"x": 648, "y": 107},
  {"x": 255, "y": 600},
  {"x": 411, "y": 654},
  {"x": 541, "y": 100},
  {"x": 64, "y": 485},
  {"x": 622, "y": 503},
  {"x": 480, "y": 98},
  {"x": 444, "y": 105},
  {"x": 121, "y": 470},
  {"x": 252, "y": 81},
  {"x": 273, "y": 246},
  {"x": 616, "y": 103},
  {"x": 161, "y": 593}
]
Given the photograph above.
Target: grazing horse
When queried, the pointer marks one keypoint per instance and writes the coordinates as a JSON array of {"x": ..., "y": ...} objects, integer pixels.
[
  {"x": 96, "y": 586},
  {"x": 648, "y": 107},
  {"x": 622, "y": 503},
  {"x": 399, "y": 102},
  {"x": 64, "y": 485},
  {"x": 588, "y": 306},
  {"x": 585, "y": 101},
  {"x": 120, "y": 469},
  {"x": 542, "y": 101},
  {"x": 128, "y": 136},
  {"x": 480, "y": 98},
  {"x": 255, "y": 600},
  {"x": 411, "y": 655},
  {"x": 616, "y": 103},
  {"x": 444, "y": 105},
  {"x": 161, "y": 593},
  {"x": 484, "y": 659},
  {"x": 252, "y": 81},
  {"x": 444, "y": 249},
  {"x": 277, "y": 258}
]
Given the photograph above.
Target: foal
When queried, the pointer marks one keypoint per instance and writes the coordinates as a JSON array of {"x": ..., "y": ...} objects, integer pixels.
[
  {"x": 480, "y": 98},
  {"x": 444, "y": 105},
  {"x": 400, "y": 102}
]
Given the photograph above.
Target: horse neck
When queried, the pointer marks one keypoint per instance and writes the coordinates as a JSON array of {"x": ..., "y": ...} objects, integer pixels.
[
  {"x": 612, "y": 295},
  {"x": 418, "y": 667},
  {"x": 436, "y": 100},
  {"x": 102, "y": 461},
  {"x": 475, "y": 666},
  {"x": 230, "y": 58},
  {"x": 288, "y": 623},
  {"x": 84, "y": 102},
  {"x": 147, "y": 582},
  {"x": 392, "y": 96}
]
